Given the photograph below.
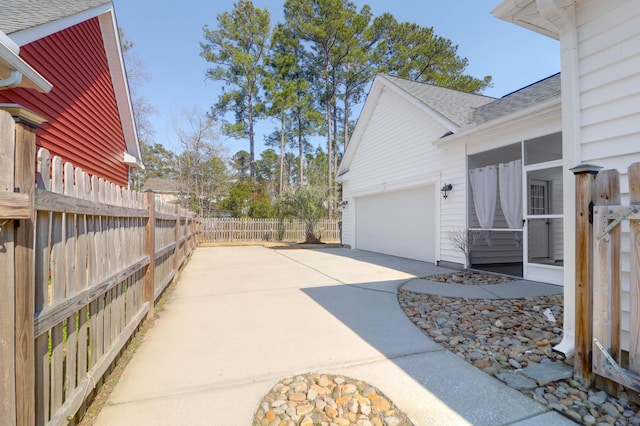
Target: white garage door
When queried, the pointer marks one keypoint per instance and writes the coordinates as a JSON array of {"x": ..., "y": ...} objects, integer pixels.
[{"x": 400, "y": 223}]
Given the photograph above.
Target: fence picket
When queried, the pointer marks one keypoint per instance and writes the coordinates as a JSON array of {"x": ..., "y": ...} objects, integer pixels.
[
  {"x": 42, "y": 285},
  {"x": 608, "y": 194},
  {"x": 58, "y": 290},
  {"x": 634, "y": 290},
  {"x": 70, "y": 239},
  {"x": 82, "y": 274},
  {"x": 94, "y": 274},
  {"x": 257, "y": 230}
]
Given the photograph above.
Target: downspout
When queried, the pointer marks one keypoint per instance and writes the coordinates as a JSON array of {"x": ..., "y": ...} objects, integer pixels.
[
  {"x": 15, "y": 77},
  {"x": 20, "y": 73},
  {"x": 14, "y": 80},
  {"x": 564, "y": 19}
]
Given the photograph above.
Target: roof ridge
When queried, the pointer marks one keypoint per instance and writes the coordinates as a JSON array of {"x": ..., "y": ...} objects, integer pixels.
[
  {"x": 531, "y": 84},
  {"x": 437, "y": 86},
  {"x": 454, "y": 105}
]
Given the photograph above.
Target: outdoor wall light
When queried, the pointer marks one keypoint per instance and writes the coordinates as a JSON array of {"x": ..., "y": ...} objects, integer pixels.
[
  {"x": 343, "y": 204},
  {"x": 445, "y": 190}
]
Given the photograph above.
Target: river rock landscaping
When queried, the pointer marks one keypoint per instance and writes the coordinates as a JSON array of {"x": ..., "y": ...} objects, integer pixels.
[
  {"x": 469, "y": 278},
  {"x": 323, "y": 399},
  {"x": 512, "y": 340}
]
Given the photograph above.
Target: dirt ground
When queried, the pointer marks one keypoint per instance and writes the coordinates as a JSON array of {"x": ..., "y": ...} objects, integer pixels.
[{"x": 102, "y": 395}]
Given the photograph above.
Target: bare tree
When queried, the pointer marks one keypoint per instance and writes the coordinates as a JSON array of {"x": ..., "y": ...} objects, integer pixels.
[{"x": 201, "y": 164}]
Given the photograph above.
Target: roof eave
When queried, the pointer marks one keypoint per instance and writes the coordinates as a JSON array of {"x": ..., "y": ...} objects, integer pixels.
[
  {"x": 111, "y": 39},
  {"x": 437, "y": 116},
  {"x": 381, "y": 83},
  {"x": 32, "y": 34},
  {"x": 537, "y": 111},
  {"x": 361, "y": 123},
  {"x": 26, "y": 77},
  {"x": 132, "y": 161},
  {"x": 524, "y": 13}
]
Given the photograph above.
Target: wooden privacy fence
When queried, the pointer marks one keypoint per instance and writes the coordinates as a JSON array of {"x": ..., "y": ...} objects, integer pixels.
[
  {"x": 252, "y": 230},
  {"x": 83, "y": 262},
  {"x": 602, "y": 301}
]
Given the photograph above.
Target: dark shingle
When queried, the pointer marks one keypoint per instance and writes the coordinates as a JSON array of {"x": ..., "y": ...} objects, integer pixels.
[
  {"x": 18, "y": 15},
  {"x": 536, "y": 93},
  {"x": 454, "y": 105}
]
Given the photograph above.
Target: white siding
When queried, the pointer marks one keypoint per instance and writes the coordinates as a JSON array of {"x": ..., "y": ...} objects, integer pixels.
[
  {"x": 396, "y": 153},
  {"x": 609, "y": 72}
]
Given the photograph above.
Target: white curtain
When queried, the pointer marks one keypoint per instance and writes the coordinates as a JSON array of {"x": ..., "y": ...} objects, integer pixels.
[
  {"x": 510, "y": 179},
  {"x": 484, "y": 184}
]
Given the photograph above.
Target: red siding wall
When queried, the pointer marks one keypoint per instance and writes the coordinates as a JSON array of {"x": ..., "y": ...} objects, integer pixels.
[{"x": 83, "y": 123}]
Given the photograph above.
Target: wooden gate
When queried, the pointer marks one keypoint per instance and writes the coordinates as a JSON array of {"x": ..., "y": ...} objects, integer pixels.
[{"x": 615, "y": 282}]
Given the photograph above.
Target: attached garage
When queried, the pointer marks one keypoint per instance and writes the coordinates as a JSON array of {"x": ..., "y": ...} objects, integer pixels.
[{"x": 399, "y": 223}]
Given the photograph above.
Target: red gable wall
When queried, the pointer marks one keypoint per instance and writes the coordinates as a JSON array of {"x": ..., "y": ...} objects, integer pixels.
[{"x": 83, "y": 122}]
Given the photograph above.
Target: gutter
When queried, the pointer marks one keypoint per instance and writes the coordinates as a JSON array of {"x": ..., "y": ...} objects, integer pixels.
[
  {"x": 465, "y": 132},
  {"x": 20, "y": 73},
  {"x": 132, "y": 161},
  {"x": 564, "y": 20}
]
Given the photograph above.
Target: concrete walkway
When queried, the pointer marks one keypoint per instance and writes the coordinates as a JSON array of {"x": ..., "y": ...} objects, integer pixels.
[
  {"x": 243, "y": 318},
  {"x": 512, "y": 290}
]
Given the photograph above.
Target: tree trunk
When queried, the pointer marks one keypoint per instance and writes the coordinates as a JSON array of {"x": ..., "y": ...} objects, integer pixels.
[
  {"x": 329, "y": 140},
  {"x": 309, "y": 231},
  {"x": 282, "y": 153},
  {"x": 300, "y": 152},
  {"x": 346, "y": 122},
  {"x": 252, "y": 157}
]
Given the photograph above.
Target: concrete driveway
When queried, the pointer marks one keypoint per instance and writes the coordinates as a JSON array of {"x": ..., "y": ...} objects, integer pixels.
[{"x": 243, "y": 318}]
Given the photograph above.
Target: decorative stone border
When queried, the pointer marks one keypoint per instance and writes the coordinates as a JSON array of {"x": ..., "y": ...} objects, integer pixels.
[
  {"x": 324, "y": 399},
  {"x": 469, "y": 278}
]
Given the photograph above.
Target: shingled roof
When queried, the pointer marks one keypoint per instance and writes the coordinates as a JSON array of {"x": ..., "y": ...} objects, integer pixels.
[
  {"x": 536, "y": 93},
  {"x": 18, "y": 15},
  {"x": 465, "y": 109},
  {"x": 456, "y": 106}
]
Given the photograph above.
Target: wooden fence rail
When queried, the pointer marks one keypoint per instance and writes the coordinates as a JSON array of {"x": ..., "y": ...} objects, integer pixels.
[
  {"x": 614, "y": 364},
  {"x": 83, "y": 263},
  {"x": 252, "y": 230}
]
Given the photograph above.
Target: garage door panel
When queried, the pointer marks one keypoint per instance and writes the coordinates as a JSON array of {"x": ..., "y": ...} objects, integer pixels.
[{"x": 399, "y": 223}]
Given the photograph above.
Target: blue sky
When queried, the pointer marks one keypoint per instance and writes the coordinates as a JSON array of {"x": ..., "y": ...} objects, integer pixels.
[{"x": 166, "y": 37}]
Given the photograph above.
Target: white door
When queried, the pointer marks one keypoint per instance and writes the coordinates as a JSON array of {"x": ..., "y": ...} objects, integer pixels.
[{"x": 399, "y": 223}]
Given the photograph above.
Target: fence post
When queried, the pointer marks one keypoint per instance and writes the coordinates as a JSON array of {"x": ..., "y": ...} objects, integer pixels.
[
  {"x": 24, "y": 234},
  {"x": 585, "y": 175},
  {"x": 634, "y": 329},
  {"x": 7, "y": 286},
  {"x": 150, "y": 249}
]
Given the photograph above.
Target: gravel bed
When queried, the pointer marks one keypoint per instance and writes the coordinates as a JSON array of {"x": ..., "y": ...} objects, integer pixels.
[
  {"x": 469, "y": 278},
  {"x": 504, "y": 337}
]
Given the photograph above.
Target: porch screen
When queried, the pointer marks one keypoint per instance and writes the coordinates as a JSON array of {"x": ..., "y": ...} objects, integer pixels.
[
  {"x": 484, "y": 185},
  {"x": 510, "y": 179}
]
